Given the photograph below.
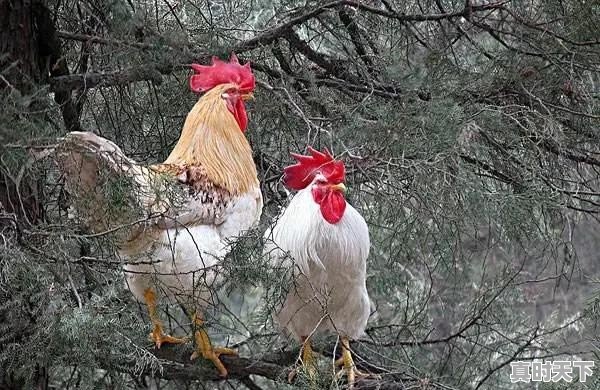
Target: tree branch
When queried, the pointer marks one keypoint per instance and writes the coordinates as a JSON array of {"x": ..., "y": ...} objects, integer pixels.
[
  {"x": 333, "y": 67},
  {"x": 175, "y": 365},
  {"x": 465, "y": 12},
  {"x": 277, "y": 32},
  {"x": 105, "y": 41},
  {"x": 355, "y": 34},
  {"x": 153, "y": 71},
  {"x": 90, "y": 80}
]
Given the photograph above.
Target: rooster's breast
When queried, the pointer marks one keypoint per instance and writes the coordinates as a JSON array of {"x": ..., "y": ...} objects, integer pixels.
[{"x": 242, "y": 213}]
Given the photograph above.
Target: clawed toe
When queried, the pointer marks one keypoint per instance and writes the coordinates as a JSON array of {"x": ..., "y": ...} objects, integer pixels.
[
  {"x": 205, "y": 349},
  {"x": 159, "y": 339},
  {"x": 213, "y": 356},
  {"x": 225, "y": 351}
]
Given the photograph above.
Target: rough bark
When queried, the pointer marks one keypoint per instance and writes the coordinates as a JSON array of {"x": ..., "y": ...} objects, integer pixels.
[
  {"x": 18, "y": 45},
  {"x": 20, "y": 71}
]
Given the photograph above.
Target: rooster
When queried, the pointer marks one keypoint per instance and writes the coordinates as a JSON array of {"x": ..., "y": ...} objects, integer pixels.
[
  {"x": 328, "y": 242},
  {"x": 177, "y": 217}
]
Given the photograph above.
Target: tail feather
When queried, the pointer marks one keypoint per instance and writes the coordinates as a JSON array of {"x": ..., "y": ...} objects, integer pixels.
[
  {"x": 82, "y": 155},
  {"x": 108, "y": 189}
]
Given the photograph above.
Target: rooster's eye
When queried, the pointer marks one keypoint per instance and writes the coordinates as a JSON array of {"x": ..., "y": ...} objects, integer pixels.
[{"x": 229, "y": 94}]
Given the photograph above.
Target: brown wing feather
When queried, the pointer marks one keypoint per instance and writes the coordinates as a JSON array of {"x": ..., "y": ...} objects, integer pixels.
[{"x": 204, "y": 201}]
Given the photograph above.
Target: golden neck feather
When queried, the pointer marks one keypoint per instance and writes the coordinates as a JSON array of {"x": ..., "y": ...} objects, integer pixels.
[{"x": 212, "y": 138}]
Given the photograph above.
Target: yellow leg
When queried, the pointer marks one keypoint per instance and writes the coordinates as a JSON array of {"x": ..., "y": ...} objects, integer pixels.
[
  {"x": 347, "y": 363},
  {"x": 205, "y": 349},
  {"x": 307, "y": 359},
  {"x": 157, "y": 335}
]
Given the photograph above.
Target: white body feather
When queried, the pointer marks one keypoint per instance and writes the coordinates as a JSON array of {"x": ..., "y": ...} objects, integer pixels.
[
  {"x": 330, "y": 291},
  {"x": 182, "y": 263}
]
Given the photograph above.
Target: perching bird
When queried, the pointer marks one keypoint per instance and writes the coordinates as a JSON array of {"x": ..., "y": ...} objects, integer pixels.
[
  {"x": 179, "y": 215},
  {"x": 328, "y": 242}
]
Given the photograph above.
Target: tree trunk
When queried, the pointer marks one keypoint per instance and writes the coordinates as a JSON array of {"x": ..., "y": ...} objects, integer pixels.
[
  {"x": 31, "y": 53},
  {"x": 20, "y": 70},
  {"x": 19, "y": 62}
]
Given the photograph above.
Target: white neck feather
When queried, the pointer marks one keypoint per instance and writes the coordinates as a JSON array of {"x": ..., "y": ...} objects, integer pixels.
[{"x": 303, "y": 232}]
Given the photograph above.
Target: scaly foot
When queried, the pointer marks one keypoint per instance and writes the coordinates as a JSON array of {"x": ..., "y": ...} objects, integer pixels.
[
  {"x": 205, "y": 349},
  {"x": 208, "y": 352},
  {"x": 307, "y": 362},
  {"x": 350, "y": 370},
  {"x": 347, "y": 365},
  {"x": 157, "y": 335}
]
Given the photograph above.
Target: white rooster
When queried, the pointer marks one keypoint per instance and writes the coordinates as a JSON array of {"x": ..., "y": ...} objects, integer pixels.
[{"x": 328, "y": 241}]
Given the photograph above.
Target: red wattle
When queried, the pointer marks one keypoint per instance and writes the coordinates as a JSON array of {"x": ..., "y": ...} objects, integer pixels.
[
  {"x": 238, "y": 110},
  {"x": 240, "y": 114},
  {"x": 333, "y": 206}
]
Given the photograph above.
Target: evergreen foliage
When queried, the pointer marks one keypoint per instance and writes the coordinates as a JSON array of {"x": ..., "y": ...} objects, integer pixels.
[{"x": 470, "y": 136}]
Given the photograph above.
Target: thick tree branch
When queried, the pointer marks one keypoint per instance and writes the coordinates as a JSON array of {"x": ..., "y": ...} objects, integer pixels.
[
  {"x": 175, "y": 365},
  {"x": 107, "y": 79},
  {"x": 154, "y": 73},
  {"x": 101, "y": 40},
  {"x": 355, "y": 33}
]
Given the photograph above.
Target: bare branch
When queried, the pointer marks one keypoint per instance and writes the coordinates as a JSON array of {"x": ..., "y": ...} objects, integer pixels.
[{"x": 107, "y": 79}]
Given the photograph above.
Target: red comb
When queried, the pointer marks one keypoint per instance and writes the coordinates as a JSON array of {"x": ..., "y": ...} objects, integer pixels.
[
  {"x": 301, "y": 174},
  {"x": 220, "y": 72}
]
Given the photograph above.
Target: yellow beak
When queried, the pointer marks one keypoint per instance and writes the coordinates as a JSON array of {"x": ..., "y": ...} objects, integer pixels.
[
  {"x": 247, "y": 96},
  {"x": 338, "y": 187}
]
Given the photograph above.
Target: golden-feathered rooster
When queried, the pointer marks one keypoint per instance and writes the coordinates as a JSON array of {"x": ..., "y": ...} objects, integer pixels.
[
  {"x": 178, "y": 216},
  {"x": 328, "y": 242}
]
